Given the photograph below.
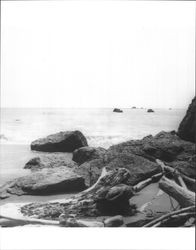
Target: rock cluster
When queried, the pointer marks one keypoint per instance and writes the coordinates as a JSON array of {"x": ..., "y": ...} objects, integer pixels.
[{"x": 127, "y": 164}]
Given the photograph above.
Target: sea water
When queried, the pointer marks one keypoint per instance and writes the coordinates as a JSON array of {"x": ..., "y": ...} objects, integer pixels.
[{"x": 102, "y": 127}]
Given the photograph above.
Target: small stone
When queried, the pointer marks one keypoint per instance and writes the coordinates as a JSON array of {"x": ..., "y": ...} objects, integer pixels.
[{"x": 115, "y": 221}]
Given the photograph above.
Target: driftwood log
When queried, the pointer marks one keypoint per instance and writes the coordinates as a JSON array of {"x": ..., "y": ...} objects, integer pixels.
[
  {"x": 180, "y": 178},
  {"x": 108, "y": 197},
  {"x": 185, "y": 212},
  {"x": 143, "y": 184},
  {"x": 182, "y": 195}
]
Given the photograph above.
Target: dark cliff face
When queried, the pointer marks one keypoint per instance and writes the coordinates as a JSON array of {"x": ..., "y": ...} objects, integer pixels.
[{"x": 187, "y": 128}]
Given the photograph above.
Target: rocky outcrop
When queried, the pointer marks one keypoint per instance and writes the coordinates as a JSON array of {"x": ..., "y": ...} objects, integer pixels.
[
  {"x": 84, "y": 154},
  {"x": 150, "y": 110},
  {"x": 49, "y": 160},
  {"x": 117, "y": 110},
  {"x": 166, "y": 146},
  {"x": 43, "y": 182},
  {"x": 187, "y": 128},
  {"x": 60, "y": 142}
]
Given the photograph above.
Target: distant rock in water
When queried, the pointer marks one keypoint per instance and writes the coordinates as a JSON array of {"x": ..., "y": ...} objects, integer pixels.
[
  {"x": 134, "y": 107},
  {"x": 187, "y": 127},
  {"x": 150, "y": 110},
  {"x": 60, "y": 142},
  {"x": 3, "y": 137},
  {"x": 117, "y": 110}
]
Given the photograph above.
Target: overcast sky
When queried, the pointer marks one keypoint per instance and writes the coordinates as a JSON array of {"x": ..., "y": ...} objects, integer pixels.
[{"x": 97, "y": 54}]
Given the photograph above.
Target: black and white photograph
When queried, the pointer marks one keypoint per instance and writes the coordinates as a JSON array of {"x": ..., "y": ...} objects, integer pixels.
[{"x": 98, "y": 114}]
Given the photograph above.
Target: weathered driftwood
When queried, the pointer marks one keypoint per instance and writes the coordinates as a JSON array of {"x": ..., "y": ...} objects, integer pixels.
[
  {"x": 157, "y": 222},
  {"x": 182, "y": 195},
  {"x": 109, "y": 196},
  {"x": 72, "y": 222},
  {"x": 176, "y": 220},
  {"x": 143, "y": 184},
  {"x": 183, "y": 180},
  {"x": 32, "y": 221}
]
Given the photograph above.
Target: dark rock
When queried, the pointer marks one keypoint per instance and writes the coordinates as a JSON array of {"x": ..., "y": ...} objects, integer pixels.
[
  {"x": 166, "y": 146},
  {"x": 117, "y": 110},
  {"x": 134, "y": 107},
  {"x": 115, "y": 221},
  {"x": 49, "y": 160},
  {"x": 113, "y": 200},
  {"x": 84, "y": 154},
  {"x": 60, "y": 142},
  {"x": 187, "y": 128},
  {"x": 3, "y": 137},
  {"x": 139, "y": 167},
  {"x": 91, "y": 170},
  {"x": 44, "y": 182},
  {"x": 150, "y": 110}
]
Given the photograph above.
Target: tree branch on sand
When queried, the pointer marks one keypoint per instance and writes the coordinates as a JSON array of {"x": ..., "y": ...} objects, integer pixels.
[
  {"x": 182, "y": 195},
  {"x": 186, "y": 212},
  {"x": 182, "y": 179}
]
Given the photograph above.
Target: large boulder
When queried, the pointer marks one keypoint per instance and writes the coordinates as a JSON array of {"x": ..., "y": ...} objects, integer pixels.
[
  {"x": 84, "y": 154},
  {"x": 60, "y": 142},
  {"x": 187, "y": 127},
  {"x": 139, "y": 167},
  {"x": 166, "y": 146},
  {"x": 49, "y": 160},
  {"x": 44, "y": 182}
]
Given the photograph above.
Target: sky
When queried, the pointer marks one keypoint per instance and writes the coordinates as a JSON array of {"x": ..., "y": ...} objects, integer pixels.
[{"x": 97, "y": 54}]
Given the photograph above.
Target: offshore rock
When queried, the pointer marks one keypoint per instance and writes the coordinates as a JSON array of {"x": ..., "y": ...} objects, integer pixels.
[
  {"x": 117, "y": 110},
  {"x": 150, "y": 110}
]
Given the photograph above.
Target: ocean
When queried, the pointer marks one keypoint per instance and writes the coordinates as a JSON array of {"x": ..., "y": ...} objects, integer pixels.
[{"x": 101, "y": 126}]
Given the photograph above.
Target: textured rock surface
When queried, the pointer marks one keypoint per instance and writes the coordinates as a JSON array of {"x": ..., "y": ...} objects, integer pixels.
[
  {"x": 60, "y": 142},
  {"x": 84, "y": 154},
  {"x": 187, "y": 128},
  {"x": 166, "y": 146},
  {"x": 139, "y": 167},
  {"x": 49, "y": 160},
  {"x": 45, "y": 181}
]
